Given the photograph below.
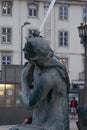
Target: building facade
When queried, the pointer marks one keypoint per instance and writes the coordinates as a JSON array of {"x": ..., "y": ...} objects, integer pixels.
[{"x": 18, "y": 19}]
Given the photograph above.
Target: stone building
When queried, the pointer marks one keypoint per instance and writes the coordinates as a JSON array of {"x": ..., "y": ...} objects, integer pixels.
[{"x": 60, "y": 29}]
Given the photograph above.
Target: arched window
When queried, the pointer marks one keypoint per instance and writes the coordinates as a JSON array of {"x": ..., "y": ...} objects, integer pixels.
[
  {"x": 33, "y": 10},
  {"x": 6, "y": 8}
]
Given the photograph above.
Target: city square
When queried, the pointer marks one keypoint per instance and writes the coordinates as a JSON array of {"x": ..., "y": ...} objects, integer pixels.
[
  {"x": 63, "y": 23},
  {"x": 72, "y": 126}
]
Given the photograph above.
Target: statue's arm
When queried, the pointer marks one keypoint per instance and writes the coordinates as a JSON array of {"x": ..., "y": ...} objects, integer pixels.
[
  {"x": 42, "y": 88},
  {"x": 37, "y": 95},
  {"x": 24, "y": 84},
  {"x": 31, "y": 97}
]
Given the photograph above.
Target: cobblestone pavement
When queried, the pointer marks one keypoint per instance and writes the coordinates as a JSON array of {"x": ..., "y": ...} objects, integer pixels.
[
  {"x": 6, "y": 127},
  {"x": 72, "y": 125}
]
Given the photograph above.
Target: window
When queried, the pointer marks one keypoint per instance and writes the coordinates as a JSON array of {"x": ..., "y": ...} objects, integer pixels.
[
  {"x": 6, "y": 59},
  {"x": 9, "y": 95},
  {"x": 31, "y": 31},
  {"x": 63, "y": 12},
  {"x": 2, "y": 94},
  {"x": 6, "y": 35},
  {"x": 33, "y": 10},
  {"x": 64, "y": 61},
  {"x": 63, "y": 38},
  {"x": 6, "y": 8},
  {"x": 85, "y": 14},
  {"x": 18, "y": 96}
]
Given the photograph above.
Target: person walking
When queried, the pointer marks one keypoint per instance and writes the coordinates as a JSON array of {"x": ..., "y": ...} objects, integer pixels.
[{"x": 73, "y": 106}]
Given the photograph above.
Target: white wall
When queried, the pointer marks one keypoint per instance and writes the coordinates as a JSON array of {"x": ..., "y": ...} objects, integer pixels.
[
  {"x": 52, "y": 26},
  {"x": 75, "y": 50}
]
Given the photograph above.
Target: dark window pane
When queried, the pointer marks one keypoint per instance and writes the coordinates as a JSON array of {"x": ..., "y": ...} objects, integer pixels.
[
  {"x": 35, "y": 12},
  {"x": 63, "y": 38},
  {"x": 30, "y": 12}
]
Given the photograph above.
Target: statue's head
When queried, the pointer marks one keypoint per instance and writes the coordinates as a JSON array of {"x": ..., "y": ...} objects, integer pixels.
[{"x": 36, "y": 48}]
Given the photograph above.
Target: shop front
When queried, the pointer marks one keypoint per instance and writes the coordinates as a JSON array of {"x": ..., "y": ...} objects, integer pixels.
[{"x": 12, "y": 109}]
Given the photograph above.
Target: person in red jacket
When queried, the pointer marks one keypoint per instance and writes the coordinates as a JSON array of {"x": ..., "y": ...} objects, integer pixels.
[
  {"x": 28, "y": 120},
  {"x": 73, "y": 106}
]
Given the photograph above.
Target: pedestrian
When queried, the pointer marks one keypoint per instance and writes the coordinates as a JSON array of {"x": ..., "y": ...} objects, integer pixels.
[
  {"x": 28, "y": 120},
  {"x": 73, "y": 106}
]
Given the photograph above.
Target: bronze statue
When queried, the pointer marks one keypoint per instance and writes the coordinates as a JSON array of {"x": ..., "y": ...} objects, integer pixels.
[
  {"x": 82, "y": 118},
  {"x": 45, "y": 84}
]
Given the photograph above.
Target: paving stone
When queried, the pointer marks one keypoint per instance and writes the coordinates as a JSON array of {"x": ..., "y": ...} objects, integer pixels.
[{"x": 7, "y": 127}]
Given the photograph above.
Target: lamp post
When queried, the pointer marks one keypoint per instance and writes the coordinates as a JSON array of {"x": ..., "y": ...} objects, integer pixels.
[
  {"x": 83, "y": 35},
  {"x": 25, "y": 23}
]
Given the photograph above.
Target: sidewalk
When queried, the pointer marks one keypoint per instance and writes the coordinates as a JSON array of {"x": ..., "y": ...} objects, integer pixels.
[
  {"x": 6, "y": 127},
  {"x": 72, "y": 126}
]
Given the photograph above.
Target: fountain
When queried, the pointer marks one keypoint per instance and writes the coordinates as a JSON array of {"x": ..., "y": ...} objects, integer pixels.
[{"x": 45, "y": 85}]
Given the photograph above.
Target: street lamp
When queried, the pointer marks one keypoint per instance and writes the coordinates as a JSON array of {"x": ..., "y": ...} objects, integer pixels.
[
  {"x": 25, "y": 23},
  {"x": 83, "y": 35}
]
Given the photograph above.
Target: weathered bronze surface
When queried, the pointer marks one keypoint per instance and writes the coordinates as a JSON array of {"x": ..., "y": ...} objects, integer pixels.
[
  {"x": 45, "y": 83},
  {"x": 82, "y": 118}
]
